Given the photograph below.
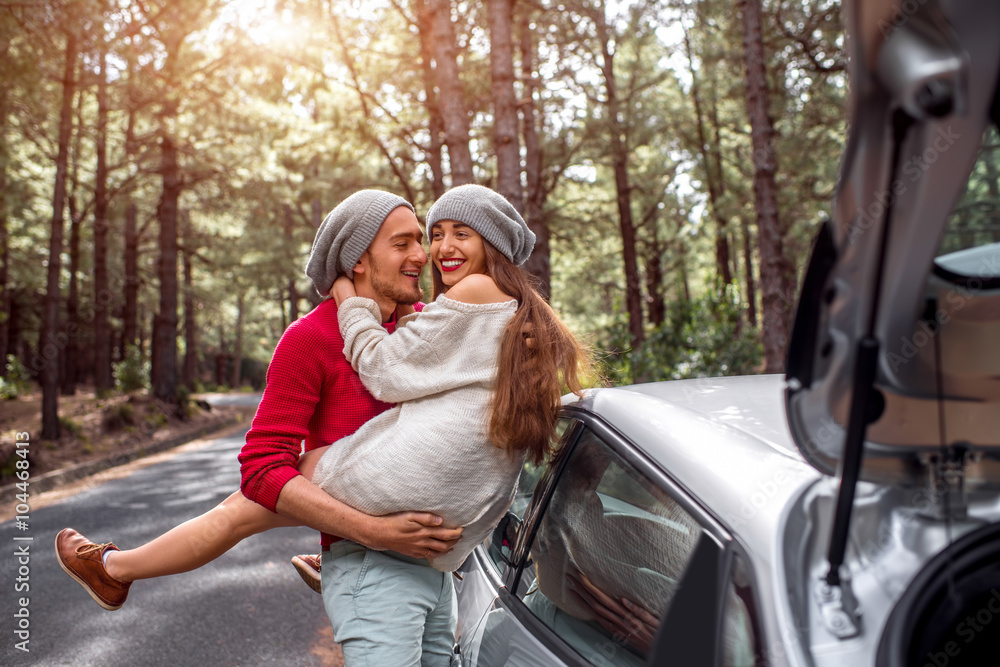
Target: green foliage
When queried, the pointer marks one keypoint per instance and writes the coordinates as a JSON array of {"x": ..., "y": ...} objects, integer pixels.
[
  {"x": 132, "y": 372},
  {"x": 118, "y": 416},
  {"x": 156, "y": 420},
  {"x": 186, "y": 407},
  {"x": 71, "y": 427},
  {"x": 17, "y": 380},
  {"x": 700, "y": 338},
  {"x": 272, "y": 141}
]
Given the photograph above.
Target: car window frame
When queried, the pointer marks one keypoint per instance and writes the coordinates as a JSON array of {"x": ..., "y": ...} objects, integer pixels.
[{"x": 716, "y": 546}]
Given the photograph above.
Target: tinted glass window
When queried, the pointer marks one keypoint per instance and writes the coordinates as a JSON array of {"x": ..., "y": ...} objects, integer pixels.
[
  {"x": 500, "y": 545},
  {"x": 607, "y": 556},
  {"x": 970, "y": 247},
  {"x": 739, "y": 632}
]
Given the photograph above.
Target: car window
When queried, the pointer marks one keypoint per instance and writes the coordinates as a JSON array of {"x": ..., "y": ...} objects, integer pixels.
[
  {"x": 739, "y": 630},
  {"x": 970, "y": 247},
  {"x": 607, "y": 556},
  {"x": 500, "y": 543},
  {"x": 532, "y": 473}
]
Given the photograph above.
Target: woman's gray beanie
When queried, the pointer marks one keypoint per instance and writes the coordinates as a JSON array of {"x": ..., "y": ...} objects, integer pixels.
[
  {"x": 490, "y": 214},
  {"x": 346, "y": 234}
]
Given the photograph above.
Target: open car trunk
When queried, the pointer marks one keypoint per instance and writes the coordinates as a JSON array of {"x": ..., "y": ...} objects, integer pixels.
[{"x": 911, "y": 258}]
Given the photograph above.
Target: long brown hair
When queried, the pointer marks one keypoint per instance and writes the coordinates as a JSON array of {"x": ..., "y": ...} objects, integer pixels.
[{"x": 536, "y": 349}]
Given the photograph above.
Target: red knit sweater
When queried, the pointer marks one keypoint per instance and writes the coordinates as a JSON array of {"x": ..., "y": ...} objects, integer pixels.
[{"x": 312, "y": 394}]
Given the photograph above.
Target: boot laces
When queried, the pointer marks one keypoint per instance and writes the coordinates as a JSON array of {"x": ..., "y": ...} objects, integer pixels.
[{"x": 88, "y": 549}]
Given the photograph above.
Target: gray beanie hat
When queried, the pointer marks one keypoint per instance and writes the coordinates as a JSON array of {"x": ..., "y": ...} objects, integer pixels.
[
  {"x": 346, "y": 233},
  {"x": 488, "y": 213}
]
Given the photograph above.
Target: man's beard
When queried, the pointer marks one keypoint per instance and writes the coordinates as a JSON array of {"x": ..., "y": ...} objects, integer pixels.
[{"x": 392, "y": 290}]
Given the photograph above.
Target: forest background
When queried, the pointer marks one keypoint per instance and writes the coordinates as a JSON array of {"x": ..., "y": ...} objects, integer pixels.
[{"x": 164, "y": 165}]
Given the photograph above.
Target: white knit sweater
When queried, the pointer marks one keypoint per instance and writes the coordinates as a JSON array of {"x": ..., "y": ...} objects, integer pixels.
[{"x": 431, "y": 452}]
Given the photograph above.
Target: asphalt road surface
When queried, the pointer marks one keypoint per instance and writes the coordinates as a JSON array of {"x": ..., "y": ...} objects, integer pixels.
[{"x": 247, "y": 608}]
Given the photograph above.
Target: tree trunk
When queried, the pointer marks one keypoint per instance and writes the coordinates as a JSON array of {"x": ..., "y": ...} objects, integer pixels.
[
  {"x": 71, "y": 368},
  {"x": 142, "y": 332},
  {"x": 435, "y": 124},
  {"x": 293, "y": 292},
  {"x": 164, "y": 364},
  {"x": 748, "y": 268},
  {"x": 654, "y": 277},
  {"x": 237, "y": 344},
  {"x": 775, "y": 293},
  {"x": 682, "y": 257},
  {"x": 4, "y": 264},
  {"x": 281, "y": 307},
  {"x": 5, "y": 300},
  {"x": 293, "y": 301},
  {"x": 450, "y": 97},
  {"x": 619, "y": 157},
  {"x": 14, "y": 340},
  {"x": 539, "y": 264},
  {"x": 103, "y": 380},
  {"x": 49, "y": 344},
  {"x": 221, "y": 357},
  {"x": 130, "y": 324},
  {"x": 505, "y": 131},
  {"x": 317, "y": 220},
  {"x": 713, "y": 178},
  {"x": 190, "y": 370}
]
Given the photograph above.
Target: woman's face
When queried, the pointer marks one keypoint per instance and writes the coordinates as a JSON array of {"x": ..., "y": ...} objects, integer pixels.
[{"x": 457, "y": 250}]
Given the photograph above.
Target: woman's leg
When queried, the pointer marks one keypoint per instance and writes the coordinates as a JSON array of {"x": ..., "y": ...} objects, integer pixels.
[
  {"x": 195, "y": 542},
  {"x": 204, "y": 538}
]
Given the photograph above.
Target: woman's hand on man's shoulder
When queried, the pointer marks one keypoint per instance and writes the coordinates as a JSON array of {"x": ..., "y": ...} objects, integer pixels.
[
  {"x": 477, "y": 288},
  {"x": 342, "y": 289}
]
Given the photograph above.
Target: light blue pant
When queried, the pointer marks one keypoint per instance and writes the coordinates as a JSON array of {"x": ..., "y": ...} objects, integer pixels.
[{"x": 387, "y": 609}]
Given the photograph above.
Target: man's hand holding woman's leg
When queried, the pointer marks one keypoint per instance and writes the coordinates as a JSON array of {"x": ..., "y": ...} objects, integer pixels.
[{"x": 414, "y": 534}]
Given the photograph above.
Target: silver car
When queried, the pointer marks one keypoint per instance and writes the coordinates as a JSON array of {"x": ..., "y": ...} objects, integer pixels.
[{"x": 847, "y": 513}]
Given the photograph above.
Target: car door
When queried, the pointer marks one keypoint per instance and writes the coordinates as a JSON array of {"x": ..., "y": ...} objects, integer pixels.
[{"x": 612, "y": 565}]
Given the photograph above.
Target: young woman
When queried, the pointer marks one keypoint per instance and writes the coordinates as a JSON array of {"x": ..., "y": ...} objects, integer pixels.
[{"x": 478, "y": 377}]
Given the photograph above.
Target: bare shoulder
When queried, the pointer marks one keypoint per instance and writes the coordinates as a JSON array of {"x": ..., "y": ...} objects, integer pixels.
[{"x": 477, "y": 288}]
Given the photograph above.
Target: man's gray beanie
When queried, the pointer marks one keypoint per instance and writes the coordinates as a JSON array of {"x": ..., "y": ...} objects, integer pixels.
[
  {"x": 346, "y": 234},
  {"x": 488, "y": 213}
]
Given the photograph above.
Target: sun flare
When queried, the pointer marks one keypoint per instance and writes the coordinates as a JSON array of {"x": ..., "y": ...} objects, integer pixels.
[{"x": 262, "y": 22}]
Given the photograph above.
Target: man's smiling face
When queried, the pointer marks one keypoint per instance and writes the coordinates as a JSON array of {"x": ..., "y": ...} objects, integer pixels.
[{"x": 393, "y": 261}]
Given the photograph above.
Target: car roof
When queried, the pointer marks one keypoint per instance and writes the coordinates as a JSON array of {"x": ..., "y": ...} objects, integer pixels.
[{"x": 725, "y": 440}]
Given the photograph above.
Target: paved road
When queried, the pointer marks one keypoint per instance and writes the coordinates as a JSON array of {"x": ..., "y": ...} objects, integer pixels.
[
  {"x": 247, "y": 608},
  {"x": 243, "y": 400}
]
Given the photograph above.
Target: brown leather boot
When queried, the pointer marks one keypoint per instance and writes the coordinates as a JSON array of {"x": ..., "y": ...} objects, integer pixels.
[
  {"x": 83, "y": 560},
  {"x": 310, "y": 568}
]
